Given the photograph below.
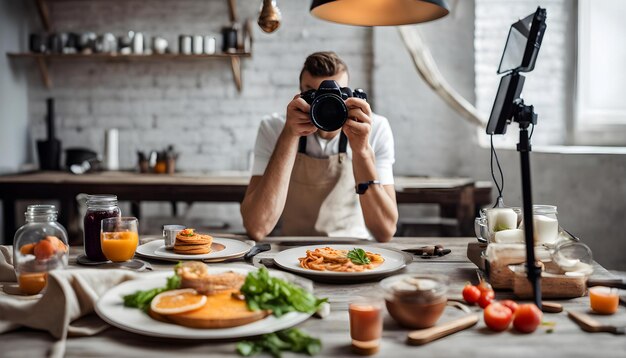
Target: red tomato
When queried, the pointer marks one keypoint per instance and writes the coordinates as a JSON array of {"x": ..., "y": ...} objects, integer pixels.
[
  {"x": 497, "y": 316},
  {"x": 486, "y": 297},
  {"x": 527, "y": 318},
  {"x": 484, "y": 286},
  {"x": 471, "y": 294},
  {"x": 510, "y": 304}
]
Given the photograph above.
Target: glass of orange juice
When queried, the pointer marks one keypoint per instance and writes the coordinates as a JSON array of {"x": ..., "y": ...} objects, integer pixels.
[{"x": 119, "y": 238}]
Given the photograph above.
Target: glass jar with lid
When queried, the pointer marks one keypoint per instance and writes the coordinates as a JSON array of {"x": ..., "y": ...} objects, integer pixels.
[
  {"x": 39, "y": 246},
  {"x": 99, "y": 207},
  {"x": 546, "y": 224}
]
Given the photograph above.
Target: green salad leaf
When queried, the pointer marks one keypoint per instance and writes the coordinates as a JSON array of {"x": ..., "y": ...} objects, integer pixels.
[
  {"x": 264, "y": 292},
  {"x": 292, "y": 339},
  {"x": 142, "y": 299},
  {"x": 358, "y": 256}
]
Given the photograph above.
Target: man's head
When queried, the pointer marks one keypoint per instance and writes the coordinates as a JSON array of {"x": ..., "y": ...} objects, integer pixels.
[{"x": 321, "y": 66}]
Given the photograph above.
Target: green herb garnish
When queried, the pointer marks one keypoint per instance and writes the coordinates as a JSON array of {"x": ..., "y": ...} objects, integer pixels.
[
  {"x": 292, "y": 339},
  {"x": 358, "y": 256},
  {"x": 142, "y": 299},
  {"x": 264, "y": 292}
]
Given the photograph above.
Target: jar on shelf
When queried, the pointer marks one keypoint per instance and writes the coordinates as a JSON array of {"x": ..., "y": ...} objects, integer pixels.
[
  {"x": 39, "y": 246},
  {"x": 99, "y": 207}
]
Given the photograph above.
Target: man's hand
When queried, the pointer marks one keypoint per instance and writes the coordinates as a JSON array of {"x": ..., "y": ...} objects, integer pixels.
[
  {"x": 298, "y": 122},
  {"x": 359, "y": 125}
]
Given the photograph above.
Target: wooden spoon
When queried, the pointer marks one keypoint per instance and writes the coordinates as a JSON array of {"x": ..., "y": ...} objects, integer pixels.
[{"x": 428, "y": 335}]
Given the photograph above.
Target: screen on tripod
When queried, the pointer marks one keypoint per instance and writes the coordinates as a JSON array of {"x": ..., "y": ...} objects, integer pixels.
[{"x": 523, "y": 43}]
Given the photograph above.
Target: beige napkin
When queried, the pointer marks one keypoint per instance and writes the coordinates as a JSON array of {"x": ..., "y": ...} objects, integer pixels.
[{"x": 64, "y": 307}]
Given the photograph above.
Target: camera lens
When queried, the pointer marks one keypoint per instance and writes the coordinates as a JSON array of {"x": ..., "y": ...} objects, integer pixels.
[{"x": 328, "y": 112}]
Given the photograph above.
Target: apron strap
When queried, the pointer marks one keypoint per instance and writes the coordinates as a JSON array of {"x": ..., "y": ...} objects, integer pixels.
[
  {"x": 343, "y": 143},
  {"x": 302, "y": 145}
]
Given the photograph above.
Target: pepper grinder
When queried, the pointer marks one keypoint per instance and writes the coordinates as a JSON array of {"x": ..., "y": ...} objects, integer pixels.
[{"x": 49, "y": 150}]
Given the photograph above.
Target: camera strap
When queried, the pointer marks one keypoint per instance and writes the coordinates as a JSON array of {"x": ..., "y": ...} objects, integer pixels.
[{"x": 343, "y": 143}]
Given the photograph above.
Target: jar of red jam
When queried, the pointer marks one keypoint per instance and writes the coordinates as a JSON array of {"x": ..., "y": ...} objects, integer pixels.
[{"x": 98, "y": 207}]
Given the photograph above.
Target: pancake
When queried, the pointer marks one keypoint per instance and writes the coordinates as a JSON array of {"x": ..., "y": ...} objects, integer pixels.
[
  {"x": 221, "y": 310},
  {"x": 188, "y": 242},
  {"x": 192, "y": 249}
]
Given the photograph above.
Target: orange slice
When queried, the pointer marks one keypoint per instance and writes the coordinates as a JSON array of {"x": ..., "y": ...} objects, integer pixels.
[{"x": 177, "y": 301}]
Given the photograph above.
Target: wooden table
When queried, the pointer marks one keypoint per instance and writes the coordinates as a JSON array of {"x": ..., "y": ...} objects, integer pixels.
[
  {"x": 567, "y": 340},
  {"x": 456, "y": 196}
]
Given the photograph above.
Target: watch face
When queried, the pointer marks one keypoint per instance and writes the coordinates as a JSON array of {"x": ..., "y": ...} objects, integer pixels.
[{"x": 361, "y": 188}]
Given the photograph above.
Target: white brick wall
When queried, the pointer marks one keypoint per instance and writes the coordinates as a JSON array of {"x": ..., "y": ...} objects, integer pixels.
[
  {"x": 550, "y": 87},
  {"x": 192, "y": 104}
]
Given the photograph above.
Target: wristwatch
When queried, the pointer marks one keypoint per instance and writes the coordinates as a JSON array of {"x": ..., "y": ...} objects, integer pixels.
[{"x": 361, "y": 188}]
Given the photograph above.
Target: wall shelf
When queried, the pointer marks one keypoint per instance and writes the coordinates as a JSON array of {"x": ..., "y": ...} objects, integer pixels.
[{"x": 43, "y": 60}]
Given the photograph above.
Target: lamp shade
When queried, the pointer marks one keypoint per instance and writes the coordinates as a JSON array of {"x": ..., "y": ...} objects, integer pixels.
[{"x": 379, "y": 12}]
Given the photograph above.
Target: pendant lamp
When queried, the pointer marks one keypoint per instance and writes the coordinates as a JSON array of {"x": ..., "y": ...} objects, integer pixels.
[{"x": 379, "y": 12}]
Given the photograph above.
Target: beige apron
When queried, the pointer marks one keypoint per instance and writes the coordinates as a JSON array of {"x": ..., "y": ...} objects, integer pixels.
[{"x": 321, "y": 200}]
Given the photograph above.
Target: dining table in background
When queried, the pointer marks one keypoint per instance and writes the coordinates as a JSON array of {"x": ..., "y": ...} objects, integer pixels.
[
  {"x": 563, "y": 339},
  {"x": 458, "y": 198}
]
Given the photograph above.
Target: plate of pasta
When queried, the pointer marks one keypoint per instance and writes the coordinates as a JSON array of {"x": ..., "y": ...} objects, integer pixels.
[{"x": 339, "y": 262}]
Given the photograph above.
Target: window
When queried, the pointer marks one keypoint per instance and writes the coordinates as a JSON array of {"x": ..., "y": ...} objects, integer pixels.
[{"x": 601, "y": 77}]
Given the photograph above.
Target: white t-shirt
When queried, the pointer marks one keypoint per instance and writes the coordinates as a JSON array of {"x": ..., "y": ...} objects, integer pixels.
[{"x": 381, "y": 141}]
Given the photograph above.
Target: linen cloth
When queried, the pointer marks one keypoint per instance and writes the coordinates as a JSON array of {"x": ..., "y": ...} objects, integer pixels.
[{"x": 65, "y": 309}]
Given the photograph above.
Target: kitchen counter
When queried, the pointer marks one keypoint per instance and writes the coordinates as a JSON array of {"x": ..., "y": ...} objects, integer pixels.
[
  {"x": 567, "y": 339},
  {"x": 458, "y": 198}
]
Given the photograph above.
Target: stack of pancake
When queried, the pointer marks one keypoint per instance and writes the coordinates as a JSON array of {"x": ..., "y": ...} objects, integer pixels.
[{"x": 189, "y": 242}]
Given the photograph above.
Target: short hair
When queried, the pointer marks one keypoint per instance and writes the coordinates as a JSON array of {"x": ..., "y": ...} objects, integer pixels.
[{"x": 323, "y": 64}]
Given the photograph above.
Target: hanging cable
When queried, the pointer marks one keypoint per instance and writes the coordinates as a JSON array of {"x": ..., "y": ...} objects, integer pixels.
[
  {"x": 532, "y": 130},
  {"x": 499, "y": 186}
]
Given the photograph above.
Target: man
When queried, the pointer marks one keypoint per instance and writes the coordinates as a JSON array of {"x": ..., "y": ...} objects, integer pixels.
[{"x": 306, "y": 176}]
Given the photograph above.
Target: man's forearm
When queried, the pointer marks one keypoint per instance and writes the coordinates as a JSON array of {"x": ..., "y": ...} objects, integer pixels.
[
  {"x": 380, "y": 210},
  {"x": 264, "y": 203}
]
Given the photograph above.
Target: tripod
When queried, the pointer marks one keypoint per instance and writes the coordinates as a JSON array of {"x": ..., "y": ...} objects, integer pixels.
[{"x": 525, "y": 116}]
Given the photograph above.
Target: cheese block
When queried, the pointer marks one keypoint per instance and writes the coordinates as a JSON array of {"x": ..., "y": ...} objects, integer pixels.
[
  {"x": 513, "y": 236},
  {"x": 501, "y": 219}
]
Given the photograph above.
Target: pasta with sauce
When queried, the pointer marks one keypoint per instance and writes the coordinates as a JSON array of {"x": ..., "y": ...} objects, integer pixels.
[{"x": 329, "y": 259}]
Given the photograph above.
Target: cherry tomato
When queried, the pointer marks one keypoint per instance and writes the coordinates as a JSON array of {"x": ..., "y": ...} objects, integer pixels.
[
  {"x": 497, "y": 316},
  {"x": 527, "y": 318},
  {"x": 484, "y": 286},
  {"x": 510, "y": 304},
  {"x": 471, "y": 294},
  {"x": 486, "y": 297}
]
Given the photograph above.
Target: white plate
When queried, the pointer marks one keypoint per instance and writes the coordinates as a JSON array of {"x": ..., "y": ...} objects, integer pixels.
[
  {"x": 111, "y": 309},
  {"x": 394, "y": 261},
  {"x": 156, "y": 250}
]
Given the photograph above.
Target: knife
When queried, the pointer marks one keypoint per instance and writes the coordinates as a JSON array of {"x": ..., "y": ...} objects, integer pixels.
[
  {"x": 257, "y": 249},
  {"x": 591, "y": 325}
]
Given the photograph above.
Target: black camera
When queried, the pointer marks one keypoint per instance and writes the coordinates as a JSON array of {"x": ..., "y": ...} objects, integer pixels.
[{"x": 328, "y": 109}]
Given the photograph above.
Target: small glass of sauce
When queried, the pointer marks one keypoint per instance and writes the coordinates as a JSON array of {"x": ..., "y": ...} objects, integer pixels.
[
  {"x": 366, "y": 324},
  {"x": 415, "y": 301}
]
